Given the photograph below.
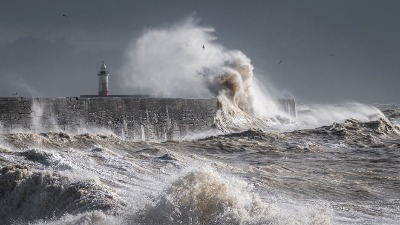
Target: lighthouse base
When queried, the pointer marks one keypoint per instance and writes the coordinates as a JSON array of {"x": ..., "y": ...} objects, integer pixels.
[{"x": 103, "y": 93}]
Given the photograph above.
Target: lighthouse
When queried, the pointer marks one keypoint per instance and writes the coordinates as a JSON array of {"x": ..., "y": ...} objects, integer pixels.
[{"x": 103, "y": 80}]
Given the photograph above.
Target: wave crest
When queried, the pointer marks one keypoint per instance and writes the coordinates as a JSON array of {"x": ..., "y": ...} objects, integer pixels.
[{"x": 27, "y": 195}]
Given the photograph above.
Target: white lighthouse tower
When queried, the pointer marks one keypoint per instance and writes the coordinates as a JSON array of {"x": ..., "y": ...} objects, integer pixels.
[{"x": 103, "y": 80}]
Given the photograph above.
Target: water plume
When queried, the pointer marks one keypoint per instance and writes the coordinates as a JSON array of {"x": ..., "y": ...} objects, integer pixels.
[{"x": 170, "y": 62}]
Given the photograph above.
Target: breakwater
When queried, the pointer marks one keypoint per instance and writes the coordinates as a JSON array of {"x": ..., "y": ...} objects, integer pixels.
[
  {"x": 137, "y": 118},
  {"x": 134, "y": 118}
]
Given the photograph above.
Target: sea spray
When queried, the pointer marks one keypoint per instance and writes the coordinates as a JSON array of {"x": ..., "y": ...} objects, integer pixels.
[
  {"x": 36, "y": 116},
  {"x": 171, "y": 62},
  {"x": 41, "y": 120}
]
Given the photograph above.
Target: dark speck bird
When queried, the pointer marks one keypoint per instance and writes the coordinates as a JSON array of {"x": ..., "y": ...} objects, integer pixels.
[
  {"x": 280, "y": 62},
  {"x": 204, "y": 47},
  {"x": 15, "y": 93},
  {"x": 64, "y": 15},
  {"x": 331, "y": 54}
]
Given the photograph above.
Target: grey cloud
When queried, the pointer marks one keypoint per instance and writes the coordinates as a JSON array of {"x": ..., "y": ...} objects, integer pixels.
[{"x": 58, "y": 55}]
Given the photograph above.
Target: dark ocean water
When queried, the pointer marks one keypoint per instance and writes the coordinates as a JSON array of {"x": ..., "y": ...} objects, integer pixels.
[{"x": 347, "y": 172}]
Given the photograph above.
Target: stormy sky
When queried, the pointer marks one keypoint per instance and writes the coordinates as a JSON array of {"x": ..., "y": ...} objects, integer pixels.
[{"x": 317, "y": 50}]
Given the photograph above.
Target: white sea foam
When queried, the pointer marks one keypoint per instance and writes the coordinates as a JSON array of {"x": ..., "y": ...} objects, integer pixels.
[{"x": 315, "y": 115}]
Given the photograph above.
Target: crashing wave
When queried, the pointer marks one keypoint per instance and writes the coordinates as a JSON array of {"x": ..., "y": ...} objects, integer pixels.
[
  {"x": 208, "y": 198},
  {"x": 27, "y": 195},
  {"x": 181, "y": 68}
]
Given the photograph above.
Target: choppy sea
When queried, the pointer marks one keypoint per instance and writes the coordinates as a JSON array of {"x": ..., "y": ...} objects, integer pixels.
[{"x": 346, "y": 172}]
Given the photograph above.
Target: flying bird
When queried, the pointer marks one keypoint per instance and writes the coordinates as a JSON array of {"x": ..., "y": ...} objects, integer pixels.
[
  {"x": 64, "y": 15},
  {"x": 204, "y": 47},
  {"x": 280, "y": 62},
  {"x": 331, "y": 54},
  {"x": 15, "y": 93}
]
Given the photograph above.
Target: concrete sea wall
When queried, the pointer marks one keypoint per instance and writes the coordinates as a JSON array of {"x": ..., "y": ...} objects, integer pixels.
[{"x": 133, "y": 118}]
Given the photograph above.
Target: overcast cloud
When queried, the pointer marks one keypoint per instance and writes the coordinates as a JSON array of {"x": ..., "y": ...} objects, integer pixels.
[{"x": 330, "y": 51}]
